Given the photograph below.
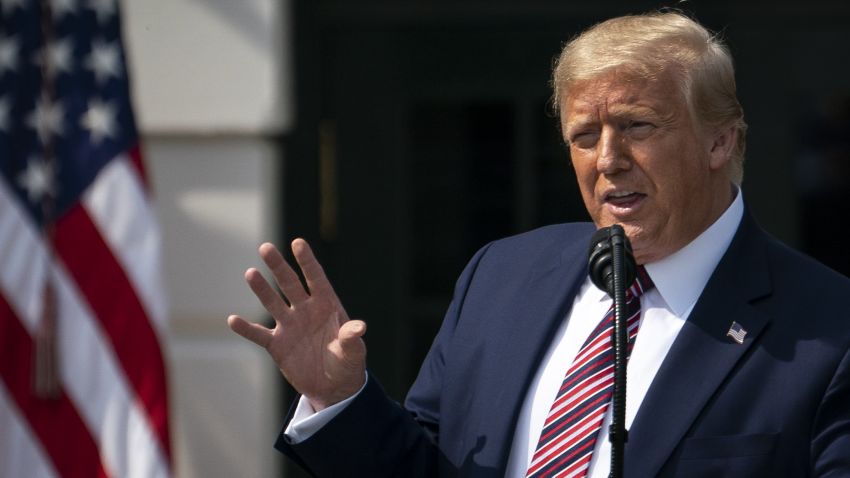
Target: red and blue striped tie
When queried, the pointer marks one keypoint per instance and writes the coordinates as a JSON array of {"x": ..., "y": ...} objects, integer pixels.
[{"x": 570, "y": 431}]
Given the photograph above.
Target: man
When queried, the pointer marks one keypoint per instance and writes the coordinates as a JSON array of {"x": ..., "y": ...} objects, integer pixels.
[{"x": 741, "y": 362}]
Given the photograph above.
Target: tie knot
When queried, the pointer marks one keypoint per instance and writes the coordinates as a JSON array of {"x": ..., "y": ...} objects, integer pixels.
[{"x": 642, "y": 282}]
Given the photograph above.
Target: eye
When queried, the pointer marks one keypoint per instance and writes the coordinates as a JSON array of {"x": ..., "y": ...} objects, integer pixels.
[
  {"x": 584, "y": 139},
  {"x": 640, "y": 129}
]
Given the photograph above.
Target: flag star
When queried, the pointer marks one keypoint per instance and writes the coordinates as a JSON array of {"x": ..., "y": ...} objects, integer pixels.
[
  {"x": 100, "y": 120},
  {"x": 37, "y": 179},
  {"x": 104, "y": 9},
  {"x": 8, "y": 54},
  {"x": 8, "y": 5},
  {"x": 4, "y": 113},
  {"x": 59, "y": 54},
  {"x": 46, "y": 119},
  {"x": 104, "y": 60},
  {"x": 60, "y": 7}
]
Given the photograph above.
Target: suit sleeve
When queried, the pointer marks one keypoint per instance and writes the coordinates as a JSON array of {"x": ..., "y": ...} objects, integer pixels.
[
  {"x": 375, "y": 436},
  {"x": 831, "y": 434},
  {"x": 423, "y": 399}
]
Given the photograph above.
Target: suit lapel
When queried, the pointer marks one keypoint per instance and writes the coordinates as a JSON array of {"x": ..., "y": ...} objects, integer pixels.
[
  {"x": 702, "y": 355},
  {"x": 545, "y": 301}
]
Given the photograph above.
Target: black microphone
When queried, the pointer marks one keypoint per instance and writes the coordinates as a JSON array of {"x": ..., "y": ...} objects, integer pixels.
[
  {"x": 601, "y": 258},
  {"x": 612, "y": 268}
]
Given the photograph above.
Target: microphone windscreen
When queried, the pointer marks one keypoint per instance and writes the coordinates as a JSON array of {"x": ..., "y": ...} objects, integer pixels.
[{"x": 601, "y": 257}]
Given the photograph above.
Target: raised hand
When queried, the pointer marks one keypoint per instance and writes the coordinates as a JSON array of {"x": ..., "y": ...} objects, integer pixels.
[{"x": 317, "y": 348}]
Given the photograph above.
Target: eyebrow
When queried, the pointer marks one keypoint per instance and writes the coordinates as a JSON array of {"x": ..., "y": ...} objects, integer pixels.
[{"x": 619, "y": 111}]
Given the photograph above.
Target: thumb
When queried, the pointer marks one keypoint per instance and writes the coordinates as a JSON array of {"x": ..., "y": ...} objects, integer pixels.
[{"x": 349, "y": 337}]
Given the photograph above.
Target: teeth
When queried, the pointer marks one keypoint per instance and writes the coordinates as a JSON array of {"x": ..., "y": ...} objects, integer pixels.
[{"x": 619, "y": 194}]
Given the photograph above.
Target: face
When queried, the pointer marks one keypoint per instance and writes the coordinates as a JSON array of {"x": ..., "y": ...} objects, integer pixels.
[{"x": 643, "y": 163}]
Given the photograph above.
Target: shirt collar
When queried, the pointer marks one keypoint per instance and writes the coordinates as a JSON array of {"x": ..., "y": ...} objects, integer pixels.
[{"x": 681, "y": 276}]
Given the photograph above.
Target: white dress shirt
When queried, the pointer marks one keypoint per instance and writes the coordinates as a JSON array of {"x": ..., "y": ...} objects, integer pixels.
[{"x": 679, "y": 280}]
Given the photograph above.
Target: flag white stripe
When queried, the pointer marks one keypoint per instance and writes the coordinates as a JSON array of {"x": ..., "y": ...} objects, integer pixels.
[
  {"x": 118, "y": 205},
  {"x": 19, "y": 449},
  {"x": 101, "y": 395},
  {"x": 24, "y": 261}
]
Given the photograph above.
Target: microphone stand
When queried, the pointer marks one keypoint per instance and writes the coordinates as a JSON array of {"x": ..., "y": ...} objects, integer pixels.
[
  {"x": 617, "y": 433},
  {"x": 612, "y": 268}
]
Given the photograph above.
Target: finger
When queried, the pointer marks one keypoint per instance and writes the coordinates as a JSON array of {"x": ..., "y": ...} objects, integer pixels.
[
  {"x": 254, "y": 332},
  {"x": 286, "y": 278},
  {"x": 269, "y": 297},
  {"x": 317, "y": 281},
  {"x": 349, "y": 335}
]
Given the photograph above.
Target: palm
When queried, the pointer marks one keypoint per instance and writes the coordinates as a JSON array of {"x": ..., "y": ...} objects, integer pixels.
[{"x": 314, "y": 343}]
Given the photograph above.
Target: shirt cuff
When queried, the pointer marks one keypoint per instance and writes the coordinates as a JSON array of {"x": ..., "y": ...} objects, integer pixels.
[{"x": 306, "y": 421}]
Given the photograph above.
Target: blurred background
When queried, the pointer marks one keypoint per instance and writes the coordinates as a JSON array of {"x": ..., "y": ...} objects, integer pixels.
[{"x": 398, "y": 137}]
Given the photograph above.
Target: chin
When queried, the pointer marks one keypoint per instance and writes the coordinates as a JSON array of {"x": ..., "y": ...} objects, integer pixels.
[
  {"x": 635, "y": 233},
  {"x": 637, "y": 239}
]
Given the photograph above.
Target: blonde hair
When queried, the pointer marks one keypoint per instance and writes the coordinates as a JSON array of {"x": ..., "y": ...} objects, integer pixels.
[{"x": 647, "y": 45}]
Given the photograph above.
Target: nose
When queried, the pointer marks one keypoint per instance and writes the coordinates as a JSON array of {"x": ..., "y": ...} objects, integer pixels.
[{"x": 611, "y": 152}]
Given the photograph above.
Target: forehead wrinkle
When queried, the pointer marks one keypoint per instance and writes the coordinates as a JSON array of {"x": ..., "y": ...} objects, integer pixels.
[
  {"x": 641, "y": 111},
  {"x": 610, "y": 92}
]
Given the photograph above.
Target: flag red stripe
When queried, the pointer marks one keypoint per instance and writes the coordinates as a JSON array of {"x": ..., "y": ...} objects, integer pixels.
[
  {"x": 55, "y": 422},
  {"x": 135, "y": 154},
  {"x": 108, "y": 291}
]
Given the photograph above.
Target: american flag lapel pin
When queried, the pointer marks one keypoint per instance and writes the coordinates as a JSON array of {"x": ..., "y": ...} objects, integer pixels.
[{"x": 737, "y": 332}]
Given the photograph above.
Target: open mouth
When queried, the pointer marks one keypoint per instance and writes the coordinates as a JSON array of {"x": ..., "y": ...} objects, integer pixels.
[{"x": 624, "y": 200}]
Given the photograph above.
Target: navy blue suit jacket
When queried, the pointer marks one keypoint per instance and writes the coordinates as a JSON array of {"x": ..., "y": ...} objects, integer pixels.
[{"x": 776, "y": 406}]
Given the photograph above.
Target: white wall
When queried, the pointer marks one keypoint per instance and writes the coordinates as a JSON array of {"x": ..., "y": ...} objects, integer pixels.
[
  {"x": 210, "y": 66},
  {"x": 211, "y": 84}
]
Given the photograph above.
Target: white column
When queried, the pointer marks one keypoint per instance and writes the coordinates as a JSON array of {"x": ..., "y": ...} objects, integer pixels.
[{"x": 211, "y": 85}]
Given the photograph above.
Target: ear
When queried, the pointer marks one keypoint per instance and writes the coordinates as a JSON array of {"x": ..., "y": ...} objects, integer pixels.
[{"x": 722, "y": 144}]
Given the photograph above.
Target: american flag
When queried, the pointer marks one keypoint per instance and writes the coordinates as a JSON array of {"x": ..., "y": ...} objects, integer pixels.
[
  {"x": 80, "y": 288},
  {"x": 736, "y": 332}
]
